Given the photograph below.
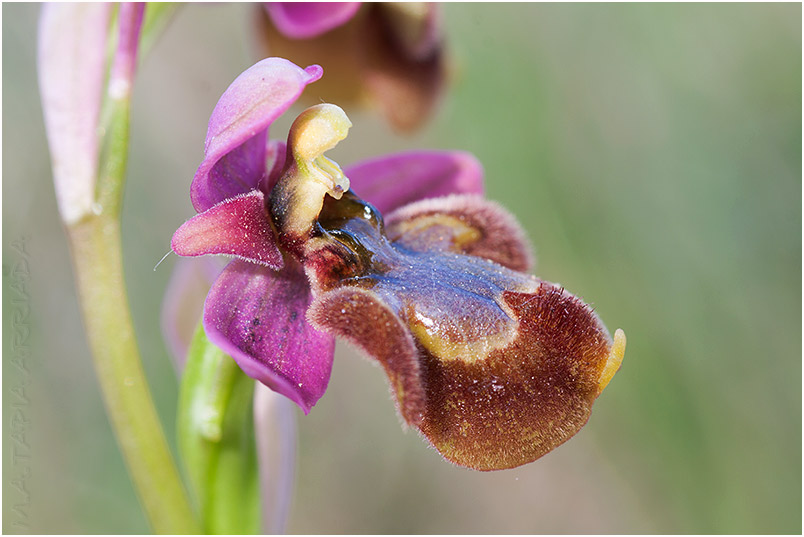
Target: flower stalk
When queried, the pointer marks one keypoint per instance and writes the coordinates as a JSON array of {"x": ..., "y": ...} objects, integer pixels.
[
  {"x": 90, "y": 205},
  {"x": 96, "y": 249},
  {"x": 115, "y": 121}
]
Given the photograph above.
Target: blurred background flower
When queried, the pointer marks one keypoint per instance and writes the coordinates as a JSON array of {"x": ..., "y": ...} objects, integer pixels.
[
  {"x": 652, "y": 153},
  {"x": 385, "y": 55}
]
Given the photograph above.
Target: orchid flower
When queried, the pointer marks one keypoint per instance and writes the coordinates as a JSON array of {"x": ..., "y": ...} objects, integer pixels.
[
  {"x": 495, "y": 367},
  {"x": 388, "y": 54}
]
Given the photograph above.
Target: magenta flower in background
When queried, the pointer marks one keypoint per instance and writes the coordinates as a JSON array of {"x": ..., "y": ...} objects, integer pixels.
[
  {"x": 305, "y": 20},
  {"x": 494, "y": 366},
  {"x": 384, "y": 54}
]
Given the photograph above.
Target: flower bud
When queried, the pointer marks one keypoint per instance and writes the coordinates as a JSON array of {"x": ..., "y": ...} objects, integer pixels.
[{"x": 71, "y": 62}]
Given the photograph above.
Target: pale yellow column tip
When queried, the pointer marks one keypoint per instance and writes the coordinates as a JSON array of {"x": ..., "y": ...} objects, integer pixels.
[{"x": 614, "y": 360}]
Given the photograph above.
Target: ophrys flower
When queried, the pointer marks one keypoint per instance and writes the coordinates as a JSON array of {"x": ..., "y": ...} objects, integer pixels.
[{"x": 494, "y": 366}]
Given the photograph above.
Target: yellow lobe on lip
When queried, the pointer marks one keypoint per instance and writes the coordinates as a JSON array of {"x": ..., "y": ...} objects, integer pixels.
[
  {"x": 438, "y": 228},
  {"x": 614, "y": 360},
  {"x": 465, "y": 350}
]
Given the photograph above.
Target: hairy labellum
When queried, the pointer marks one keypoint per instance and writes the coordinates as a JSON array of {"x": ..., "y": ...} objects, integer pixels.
[{"x": 495, "y": 367}]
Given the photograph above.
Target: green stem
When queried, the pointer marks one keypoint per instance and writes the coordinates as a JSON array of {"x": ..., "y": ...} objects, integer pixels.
[
  {"x": 97, "y": 255},
  {"x": 98, "y": 264},
  {"x": 114, "y": 158}
]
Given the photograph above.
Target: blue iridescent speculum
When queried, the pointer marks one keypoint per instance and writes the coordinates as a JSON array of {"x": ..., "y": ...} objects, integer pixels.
[{"x": 494, "y": 366}]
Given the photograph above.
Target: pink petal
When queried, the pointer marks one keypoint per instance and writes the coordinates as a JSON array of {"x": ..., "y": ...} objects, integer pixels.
[
  {"x": 395, "y": 180},
  {"x": 238, "y": 226},
  {"x": 257, "y": 316},
  {"x": 234, "y": 160},
  {"x": 275, "y": 155},
  {"x": 303, "y": 20},
  {"x": 71, "y": 62},
  {"x": 240, "y": 170}
]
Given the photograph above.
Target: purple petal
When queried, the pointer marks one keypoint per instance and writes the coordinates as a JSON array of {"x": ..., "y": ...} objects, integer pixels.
[
  {"x": 275, "y": 155},
  {"x": 303, "y": 20},
  {"x": 240, "y": 170},
  {"x": 257, "y": 316},
  {"x": 71, "y": 62},
  {"x": 395, "y": 180},
  {"x": 239, "y": 226},
  {"x": 184, "y": 303},
  {"x": 234, "y": 160},
  {"x": 275, "y": 432}
]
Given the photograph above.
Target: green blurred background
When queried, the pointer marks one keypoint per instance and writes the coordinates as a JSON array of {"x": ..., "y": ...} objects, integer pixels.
[{"x": 653, "y": 153}]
